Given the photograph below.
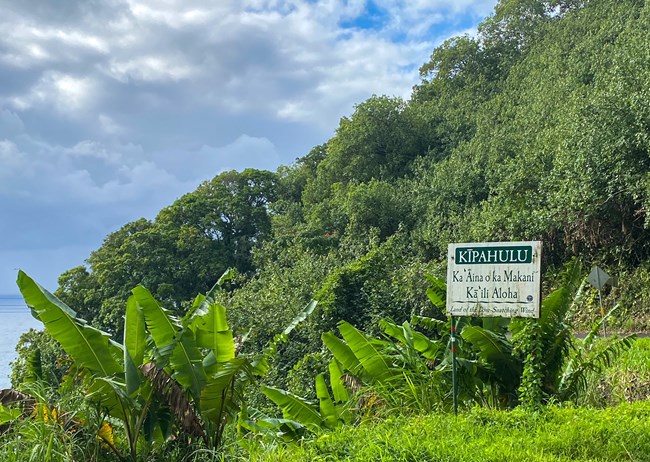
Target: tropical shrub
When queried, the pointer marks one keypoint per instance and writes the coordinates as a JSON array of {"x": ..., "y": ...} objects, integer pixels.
[{"x": 169, "y": 375}]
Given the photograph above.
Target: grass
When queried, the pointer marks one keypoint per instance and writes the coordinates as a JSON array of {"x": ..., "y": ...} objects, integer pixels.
[
  {"x": 554, "y": 434},
  {"x": 628, "y": 379},
  {"x": 620, "y": 432}
]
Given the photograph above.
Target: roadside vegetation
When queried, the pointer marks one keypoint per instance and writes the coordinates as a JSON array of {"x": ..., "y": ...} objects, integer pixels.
[{"x": 321, "y": 333}]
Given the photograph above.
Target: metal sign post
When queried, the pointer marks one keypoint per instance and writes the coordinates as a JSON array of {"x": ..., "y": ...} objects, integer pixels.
[
  {"x": 599, "y": 279},
  {"x": 454, "y": 379},
  {"x": 500, "y": 279}
]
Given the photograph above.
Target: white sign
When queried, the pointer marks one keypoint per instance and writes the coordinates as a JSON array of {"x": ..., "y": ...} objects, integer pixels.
[{"x": 494, "y": 279}]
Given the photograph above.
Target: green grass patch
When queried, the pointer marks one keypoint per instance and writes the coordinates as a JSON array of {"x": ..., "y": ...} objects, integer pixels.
[{"x": 620, "y": 433}]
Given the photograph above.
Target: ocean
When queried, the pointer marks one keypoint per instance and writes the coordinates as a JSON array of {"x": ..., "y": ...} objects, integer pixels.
[{"x": 15, "y": 318}]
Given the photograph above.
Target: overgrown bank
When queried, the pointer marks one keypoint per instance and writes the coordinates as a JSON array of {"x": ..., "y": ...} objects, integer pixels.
[
  {"x": 554, "y": 434},
  {"x": 537, "y": 128}
]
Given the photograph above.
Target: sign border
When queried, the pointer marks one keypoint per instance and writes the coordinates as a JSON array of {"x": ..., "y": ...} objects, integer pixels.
[{"x": 536, "y": 261}]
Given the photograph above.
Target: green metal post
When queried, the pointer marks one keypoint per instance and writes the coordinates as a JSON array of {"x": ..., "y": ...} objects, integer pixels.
[
  {"x": 602, "y": 312},
  {"x": 454, "y": 380}
]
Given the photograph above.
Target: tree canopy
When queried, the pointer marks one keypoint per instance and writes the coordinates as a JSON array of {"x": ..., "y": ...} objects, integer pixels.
[{"x": 536, "y": 128}]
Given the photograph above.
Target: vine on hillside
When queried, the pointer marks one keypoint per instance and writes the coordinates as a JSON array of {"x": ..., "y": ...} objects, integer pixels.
[{"x": 527, "y": 343}]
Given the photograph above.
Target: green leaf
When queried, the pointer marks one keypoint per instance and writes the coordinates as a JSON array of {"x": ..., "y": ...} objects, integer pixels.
[
  {"x": 286, "y": 429},
  {"x": 428, "y": 348},
  {"x": 492, "y": 347},
  {"x": 306, "y": 311},
  {"x": 430, "y": 323},
  {"x": 179, "y": 345},
  {"x": 495, "y": 350},
  {"x": 226, "y": 276},
  {"x": 366, "y": 351},
  {"x": 90, "y": 348},
  {"x": 113, "y": 397},
  {"x": 294, "y": 408},
  {"x": 8, "y": 414},
  {"x": 341, "y": 352},
  {"x": 187, "y": 363},
  {"x": 336, "y": 382},
  {"x": 135, "y": 340},
  {"x": 211, "y": 330},
  {"x": 34, "y": 367},
  {"x": 437, "y": 292},
  {"x": 327, "y": 409},
  {"x": 162, "y": 326},
  {"x": 135, "y": 336},
  {"x": 220, "y": 393}
]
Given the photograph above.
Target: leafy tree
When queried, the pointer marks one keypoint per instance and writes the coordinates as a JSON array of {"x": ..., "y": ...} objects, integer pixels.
[{"x": 178, "y": 254}]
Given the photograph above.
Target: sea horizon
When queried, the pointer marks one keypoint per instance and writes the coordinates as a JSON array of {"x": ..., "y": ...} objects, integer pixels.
[{"x": 15, "y": 319}]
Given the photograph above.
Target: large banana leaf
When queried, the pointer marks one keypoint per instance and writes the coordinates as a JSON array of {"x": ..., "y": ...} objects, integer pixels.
[
  {"x": 300, "y": 317},
  {"x": 294, "y": 407},
  {"x": 272, "y": 428},
  {"x": 587, "y": 359},
  {"x": 220, "y": 395},
  {"x": 367, "y": 351},
  {"x": 162, "y": 326},
  {"x": 187, "y": 364},
  {"x": 491, "y": 347},
  {"x": 433, "y": 324},
  {"x": 201, "y": 302},
  {"x": 342, "y": 353},
  {"x": 428, "y": 348},
  {"x": 338, "y": 389},
  {"x": 211, "y": 329},
  {"x": 90, "y": 348},
  {"x": 135, "y": 339},
  {"x": 185, "y": 359},
  {"x": 328, "y": 411},
  {"x": 495, "y": 350},
  {"x": 135, "y": 336}
]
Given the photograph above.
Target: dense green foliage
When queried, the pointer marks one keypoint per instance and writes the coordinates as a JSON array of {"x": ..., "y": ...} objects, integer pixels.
[
  {"x": 554, "y": 433},
  {"x": 537, "y": 128},
  {"x": 169, "y": 379}
]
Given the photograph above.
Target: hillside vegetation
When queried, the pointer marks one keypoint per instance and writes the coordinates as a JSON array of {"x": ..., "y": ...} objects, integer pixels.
[{"x": 538, "y": 128}]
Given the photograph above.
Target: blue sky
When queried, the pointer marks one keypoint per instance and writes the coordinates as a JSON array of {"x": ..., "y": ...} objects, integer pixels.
[{"x": 111, "y": 109}]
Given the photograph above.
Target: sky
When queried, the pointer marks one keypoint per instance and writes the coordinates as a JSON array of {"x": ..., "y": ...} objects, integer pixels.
[{"x": 112, "y": 109}]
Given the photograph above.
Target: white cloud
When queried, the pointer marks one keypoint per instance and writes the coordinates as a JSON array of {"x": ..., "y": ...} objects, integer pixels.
[
  {"x": 67, "y": 93},
  {"x": 110, "y": 110},
  {"x": 150, "y": 69},
  {"x": 109, "y": 126},
  {"x": 10, "y": 156},
  {"x": 245, "y": 152}
]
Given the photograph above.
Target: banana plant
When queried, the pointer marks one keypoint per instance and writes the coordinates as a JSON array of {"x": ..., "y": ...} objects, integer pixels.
[
  {"x": 167, "y": 371},
  {"x": 299, "y": 414},
  {"x": 195, "y": 369},
  {"x": 361, "y": 355},
  {"x": 111, "y": 370},
  {"x": 406, "y": 369}
]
